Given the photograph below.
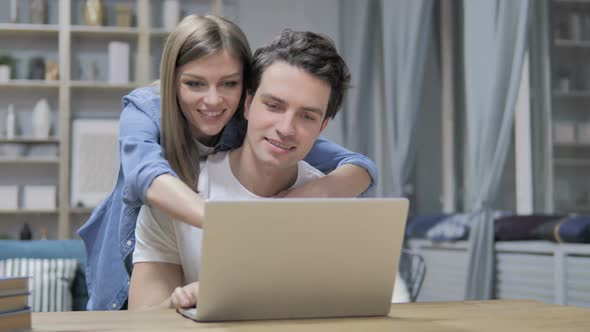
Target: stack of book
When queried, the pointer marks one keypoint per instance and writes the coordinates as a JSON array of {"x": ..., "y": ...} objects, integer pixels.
[{"x": 14, "y": 311}]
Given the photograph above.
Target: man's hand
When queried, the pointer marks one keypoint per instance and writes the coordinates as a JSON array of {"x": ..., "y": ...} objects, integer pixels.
[{"x": 185, "y": 297}]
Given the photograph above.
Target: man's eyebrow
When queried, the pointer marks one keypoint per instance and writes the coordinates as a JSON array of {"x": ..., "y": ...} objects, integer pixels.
[
  {"x": 232, "y": 75},
  {"x": 281, "y": 101},
  {"x": 275, "y": 98}
]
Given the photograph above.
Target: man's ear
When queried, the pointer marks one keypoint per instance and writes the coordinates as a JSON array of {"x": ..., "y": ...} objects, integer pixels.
[
  {"x": 324, "y": 124},
  {"x": 247, "y": 104}
]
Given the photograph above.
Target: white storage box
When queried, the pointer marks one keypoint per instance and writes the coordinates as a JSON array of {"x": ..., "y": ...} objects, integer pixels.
[
  {"x": 39, "y": 197},
  {"x": 564, "y": 133},
  {"x": 8, "y": 197},
  {"x": 584, "y": 133}
]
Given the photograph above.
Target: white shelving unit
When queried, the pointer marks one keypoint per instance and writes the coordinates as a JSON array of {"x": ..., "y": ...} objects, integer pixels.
[
  {"x": 534, "y": 270},
  {"x": 72, "y": 92},
  {"x": 568, "y": 160}
]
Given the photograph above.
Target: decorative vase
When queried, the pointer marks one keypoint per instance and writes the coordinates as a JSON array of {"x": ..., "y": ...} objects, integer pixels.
[
  {"x": 51, "y": 71},
  {"x": 170, "y": 14},
  {"x": 4, "y": 73},
  {"x": 41, "y": 119},
  {"x": 13, "y": 11},
  {"x": 39, "y": 11},
  {"x": 11, "y": 150},
  {"x": 123, "y": 14},
  {"x": 93, "y": 12},
  {"x": 37, "y": 68},
  {"x": 10, "y": 122}
]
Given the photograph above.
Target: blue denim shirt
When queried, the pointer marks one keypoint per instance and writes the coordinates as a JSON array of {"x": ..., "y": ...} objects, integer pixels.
[{"x": 109, "y": 233}]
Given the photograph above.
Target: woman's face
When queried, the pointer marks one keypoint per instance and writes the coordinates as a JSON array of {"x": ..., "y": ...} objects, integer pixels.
[{"x": 209, "y": 91}]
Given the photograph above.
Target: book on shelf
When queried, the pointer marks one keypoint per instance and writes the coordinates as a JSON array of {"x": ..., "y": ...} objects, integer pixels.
[
  {"x": 15, "y": 315},
  {"x": 15, "y": 320},
  {"x": 10, "y": 286},
  {"x": 13, "y": 303}
]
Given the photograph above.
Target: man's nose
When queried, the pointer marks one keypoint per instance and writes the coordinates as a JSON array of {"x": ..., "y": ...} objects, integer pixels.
[{"x": 286, "y": 125}]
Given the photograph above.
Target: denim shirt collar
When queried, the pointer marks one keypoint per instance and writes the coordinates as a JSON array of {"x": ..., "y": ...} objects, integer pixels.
[{"x": 233, "y": 134}]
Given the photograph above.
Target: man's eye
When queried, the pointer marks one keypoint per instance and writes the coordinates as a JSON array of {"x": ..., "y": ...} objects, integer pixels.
[
  {"x": 308, "y": 117},
  {"x": 272, "y": 106},
  {"x": 230, "y": 84}
]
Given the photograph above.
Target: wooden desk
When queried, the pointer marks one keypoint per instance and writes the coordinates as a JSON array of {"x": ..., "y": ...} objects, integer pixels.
[{"x": 416, "y": 317}]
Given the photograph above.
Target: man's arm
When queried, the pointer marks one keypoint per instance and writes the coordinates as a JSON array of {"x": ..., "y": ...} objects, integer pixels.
[{"x": 152, "y": 284}]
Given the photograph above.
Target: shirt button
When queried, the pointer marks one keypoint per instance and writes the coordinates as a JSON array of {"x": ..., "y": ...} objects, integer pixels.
[
  {"x": 129, "y": 243},
  {"x": 114, "y": 305}
]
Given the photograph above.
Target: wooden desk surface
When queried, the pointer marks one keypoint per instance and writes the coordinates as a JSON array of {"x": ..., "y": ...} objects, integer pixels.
[{"x": 416, "y": 317}]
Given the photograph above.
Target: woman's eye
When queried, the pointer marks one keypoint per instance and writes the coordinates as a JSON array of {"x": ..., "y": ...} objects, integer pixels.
[
  {"x": 194, "y": 84},
  {"x": 272, "y": 107}
]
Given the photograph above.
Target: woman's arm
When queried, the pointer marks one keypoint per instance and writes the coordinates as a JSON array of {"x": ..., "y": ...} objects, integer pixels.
[
  {"x": 349, "y": 174},
  {"x": 169, "y": 194},
  {"x": 149, "y": 179}
]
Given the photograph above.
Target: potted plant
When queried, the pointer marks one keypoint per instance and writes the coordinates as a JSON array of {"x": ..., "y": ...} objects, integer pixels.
[{"x": 7, "y": 67}]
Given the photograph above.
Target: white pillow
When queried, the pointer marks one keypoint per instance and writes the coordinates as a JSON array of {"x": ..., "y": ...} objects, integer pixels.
[{"x": 50, "y": 283}]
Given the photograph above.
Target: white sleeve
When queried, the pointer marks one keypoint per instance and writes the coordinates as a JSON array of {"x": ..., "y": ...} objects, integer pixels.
[{"x": 155, "y": 238}]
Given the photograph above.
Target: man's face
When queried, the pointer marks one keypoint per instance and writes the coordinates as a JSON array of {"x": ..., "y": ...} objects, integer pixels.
[{"x": 286, "y": 114}]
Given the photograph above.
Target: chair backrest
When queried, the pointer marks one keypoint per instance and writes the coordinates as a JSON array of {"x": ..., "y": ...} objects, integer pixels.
[
  {"x": 416, "y": 268},
  {"x": 53, "y": 249}
]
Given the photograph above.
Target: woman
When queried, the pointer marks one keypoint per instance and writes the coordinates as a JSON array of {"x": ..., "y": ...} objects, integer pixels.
[{"x": 159, "y": 164}]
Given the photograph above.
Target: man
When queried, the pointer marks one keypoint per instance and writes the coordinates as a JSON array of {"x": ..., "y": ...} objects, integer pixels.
[{"x": 298, "y": 82}]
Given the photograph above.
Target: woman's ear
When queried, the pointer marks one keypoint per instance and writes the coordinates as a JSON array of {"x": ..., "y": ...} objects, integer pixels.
[{"x": 247, "y": 104}]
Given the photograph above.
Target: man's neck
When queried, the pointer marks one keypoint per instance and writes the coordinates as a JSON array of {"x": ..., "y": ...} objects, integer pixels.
[{"x": 261, "y": 180}]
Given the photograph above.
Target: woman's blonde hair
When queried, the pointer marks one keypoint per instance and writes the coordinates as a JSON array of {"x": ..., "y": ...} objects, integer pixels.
[{"x": 195, "y": 37}]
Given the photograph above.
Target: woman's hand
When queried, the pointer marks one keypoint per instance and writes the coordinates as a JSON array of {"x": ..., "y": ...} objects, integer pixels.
[{"x": 185, "y": 297}]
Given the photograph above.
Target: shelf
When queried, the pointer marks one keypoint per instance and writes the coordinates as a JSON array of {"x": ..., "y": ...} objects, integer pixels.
[
  {"x": 85, "y": 30},
  {"x": 572, "y": 2},
  {"x": 573, "y": 162},
  {"x": 30, "y": 84},
  {"x": 567, "y": 207},
  {"x": 159, "y": 32},
  {"x": 572, "y": 43},
  {"x": 574, "y": 146},
  {"x": 30, "y": 140},
  {"x": 102, "y": 85},
  {"x": 30, "y": 29},
  {"x": 25, "y": 160},
  {"x": 81, "y": 210},
  {"x": 29, "y": 211},
  {"x": 571, "y": 94}
]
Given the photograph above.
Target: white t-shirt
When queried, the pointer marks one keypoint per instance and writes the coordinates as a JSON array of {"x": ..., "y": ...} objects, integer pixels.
[{"x": 161, "y": 239}]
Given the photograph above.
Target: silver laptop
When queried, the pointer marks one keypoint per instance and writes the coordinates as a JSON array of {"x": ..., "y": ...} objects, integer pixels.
[{"x": 299, "y": 258}]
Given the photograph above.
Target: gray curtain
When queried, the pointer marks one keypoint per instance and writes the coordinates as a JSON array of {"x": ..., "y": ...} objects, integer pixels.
[
  {"x": 385, "y": 43},
  {"x": 494, "y": 33}
]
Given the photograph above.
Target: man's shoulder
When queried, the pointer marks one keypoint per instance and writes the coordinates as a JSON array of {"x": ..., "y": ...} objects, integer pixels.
[{"x": 306, "y": 172}]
